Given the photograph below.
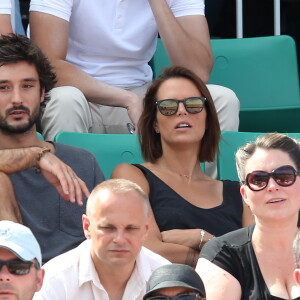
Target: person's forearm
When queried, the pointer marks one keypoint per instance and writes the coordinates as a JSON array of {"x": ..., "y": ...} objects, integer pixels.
[
  {"x": 5, "y": 24},
  {"x": 15, "y": 160},
  {"x": 173, "y": 252},
  {"x": 93, "y": 89},
  {"x": 192, "y": 238},
  {"x": 185, "y": 45}
]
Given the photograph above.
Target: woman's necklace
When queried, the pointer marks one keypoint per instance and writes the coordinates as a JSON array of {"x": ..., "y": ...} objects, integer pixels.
[{"x": 187, "y": 177}]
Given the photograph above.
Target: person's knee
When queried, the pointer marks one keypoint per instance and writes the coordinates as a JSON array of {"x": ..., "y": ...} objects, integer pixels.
[
  {"x": 67, "y": 110},
  {"x": 230, "y": 98},
  {"x": 66, "y": 98},
  {"x": 224, "y": 97},
  {"x": 227, "y": 106}
]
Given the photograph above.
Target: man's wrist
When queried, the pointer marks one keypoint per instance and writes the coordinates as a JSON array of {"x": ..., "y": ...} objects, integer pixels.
[{"x": 42, "y": 151}]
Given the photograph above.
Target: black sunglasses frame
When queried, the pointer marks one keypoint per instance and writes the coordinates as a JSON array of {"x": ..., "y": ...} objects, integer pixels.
[
  {"x": 18, "y": 267},
  {"x": 203, "y": 99},
  {"x": 275, "y": 174}
]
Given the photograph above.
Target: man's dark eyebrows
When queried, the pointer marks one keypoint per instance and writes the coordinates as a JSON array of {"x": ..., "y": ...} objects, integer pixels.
[
  {"x": 30, "y": 79},
  {"x": 25, "y": 79}
]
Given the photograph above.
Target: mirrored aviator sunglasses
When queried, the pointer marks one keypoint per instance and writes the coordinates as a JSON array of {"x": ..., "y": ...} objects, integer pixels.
[
  {"x": 169, "y": 107},
  {"x": 284, "y": 176},
  {"x": 185, "y": 296},
  {"x": 18, "y": 267}
]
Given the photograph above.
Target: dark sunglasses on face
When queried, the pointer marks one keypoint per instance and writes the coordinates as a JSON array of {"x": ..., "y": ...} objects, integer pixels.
[
  {"x": 184, "y": 296},
  {"x": 17, "y": 266},
  {"x": 169, "y": 107},
  {"x": 283, "y": 176}
]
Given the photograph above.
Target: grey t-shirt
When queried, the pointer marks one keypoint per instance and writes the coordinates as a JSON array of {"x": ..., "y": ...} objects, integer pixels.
[{"x": 55, "y": 222}]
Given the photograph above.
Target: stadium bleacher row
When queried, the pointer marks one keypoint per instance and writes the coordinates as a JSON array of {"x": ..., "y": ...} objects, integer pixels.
[{"x": 262, "y": 71}]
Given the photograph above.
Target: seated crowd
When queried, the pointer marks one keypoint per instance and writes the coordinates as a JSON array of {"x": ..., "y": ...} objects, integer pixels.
[{"x": 133, "y": 236}]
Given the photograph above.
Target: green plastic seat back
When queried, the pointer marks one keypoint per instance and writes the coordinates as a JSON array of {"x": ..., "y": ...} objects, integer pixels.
[
  {"x": 263, "y": 72},
  {"x": 160, "y": 59},
  {"x": 109, "y": 149},
  {"x": 229, "y": 144},
  {"x": 40, "y": 136},
  {"x": 261, "y": 68}
]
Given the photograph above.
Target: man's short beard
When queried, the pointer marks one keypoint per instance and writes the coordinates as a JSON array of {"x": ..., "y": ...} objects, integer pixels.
[{"x": 18, "y": 129}]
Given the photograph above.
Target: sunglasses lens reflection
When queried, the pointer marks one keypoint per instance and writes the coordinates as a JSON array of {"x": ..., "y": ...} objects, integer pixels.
[
  {"x": 258, "y": 180},
  {"x": 285, "y": 177},
  {"x": 168, "y": 107},
  {"x": 17, "y": 267},
  {"x": 194, "y": 106}
]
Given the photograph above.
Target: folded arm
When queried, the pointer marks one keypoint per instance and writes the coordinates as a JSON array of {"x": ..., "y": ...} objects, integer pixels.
[
  {"x": 69, "y": 186},
  {"x": 186, "y": 39},
  {"x": 193, "y": 238},
  {"x": 5, "y": 24}
]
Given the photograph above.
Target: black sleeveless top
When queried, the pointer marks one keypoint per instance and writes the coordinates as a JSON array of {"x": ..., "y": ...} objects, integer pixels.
[{"x": 171, "y": 211}]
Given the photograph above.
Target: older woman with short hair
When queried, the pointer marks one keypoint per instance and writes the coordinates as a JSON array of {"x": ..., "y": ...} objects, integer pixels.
[{"x": 257, "y": 262}]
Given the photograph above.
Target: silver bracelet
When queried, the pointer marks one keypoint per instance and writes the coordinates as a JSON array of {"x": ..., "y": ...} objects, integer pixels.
[{"x": 202, "y": 233}]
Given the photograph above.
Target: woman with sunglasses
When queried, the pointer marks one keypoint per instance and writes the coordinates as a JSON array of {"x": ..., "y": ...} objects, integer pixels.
[
  {"x": 257, "y": 262},
  {"x": 179, "y": 129}
]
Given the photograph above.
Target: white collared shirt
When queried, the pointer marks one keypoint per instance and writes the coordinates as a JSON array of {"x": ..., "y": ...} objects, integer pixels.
[
  {"x": 5, "y": 7},
  {"x": 72, "y": 275},
  {"x": 113, "y": 40}
]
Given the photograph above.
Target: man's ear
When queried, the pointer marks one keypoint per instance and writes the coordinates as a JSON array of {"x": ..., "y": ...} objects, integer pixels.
[
  {"x": 40, "y": 278},
  {"x": 42, "y": 98},
  {"x": 86, "y": 226}
]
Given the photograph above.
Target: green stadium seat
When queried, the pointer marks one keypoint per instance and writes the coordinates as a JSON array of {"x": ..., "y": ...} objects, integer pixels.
[
  {"x": 263, "y": 72},
  {"x": 229, "y": 144},
  {"x": 109, "y": 149},
  {"x": 40, "y": 136}
]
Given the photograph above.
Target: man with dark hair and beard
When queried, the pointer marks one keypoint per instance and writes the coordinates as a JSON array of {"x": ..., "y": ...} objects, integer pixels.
[{"x": 42, "y": 185}]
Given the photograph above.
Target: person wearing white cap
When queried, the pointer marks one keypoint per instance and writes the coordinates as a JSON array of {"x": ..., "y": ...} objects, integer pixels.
[{"x": 20, "y": 262}]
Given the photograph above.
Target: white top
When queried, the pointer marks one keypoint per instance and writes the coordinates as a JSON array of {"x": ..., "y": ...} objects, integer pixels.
[
  {"x": 5, "y": 7},
  {"x": 72, "y": 276},
  {"x": 113, "y": 40}
]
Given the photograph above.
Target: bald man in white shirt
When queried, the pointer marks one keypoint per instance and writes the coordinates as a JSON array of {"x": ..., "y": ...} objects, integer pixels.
[{"x": 111, "y": 264}]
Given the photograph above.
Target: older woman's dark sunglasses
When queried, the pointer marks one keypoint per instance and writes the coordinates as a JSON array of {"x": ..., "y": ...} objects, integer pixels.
[
  {"x": 283, "y": 176},
  {"x": 169, "y": 107}
]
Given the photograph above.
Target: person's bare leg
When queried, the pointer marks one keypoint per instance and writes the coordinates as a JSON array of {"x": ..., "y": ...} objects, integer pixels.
[{"x": 8, "y": 203}]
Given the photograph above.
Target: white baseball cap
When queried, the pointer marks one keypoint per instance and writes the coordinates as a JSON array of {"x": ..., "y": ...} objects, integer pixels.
[{"x": 19, "y": 239}]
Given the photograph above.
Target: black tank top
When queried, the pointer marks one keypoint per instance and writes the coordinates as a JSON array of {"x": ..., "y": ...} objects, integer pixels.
[{"x": 171, "y": 211}]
